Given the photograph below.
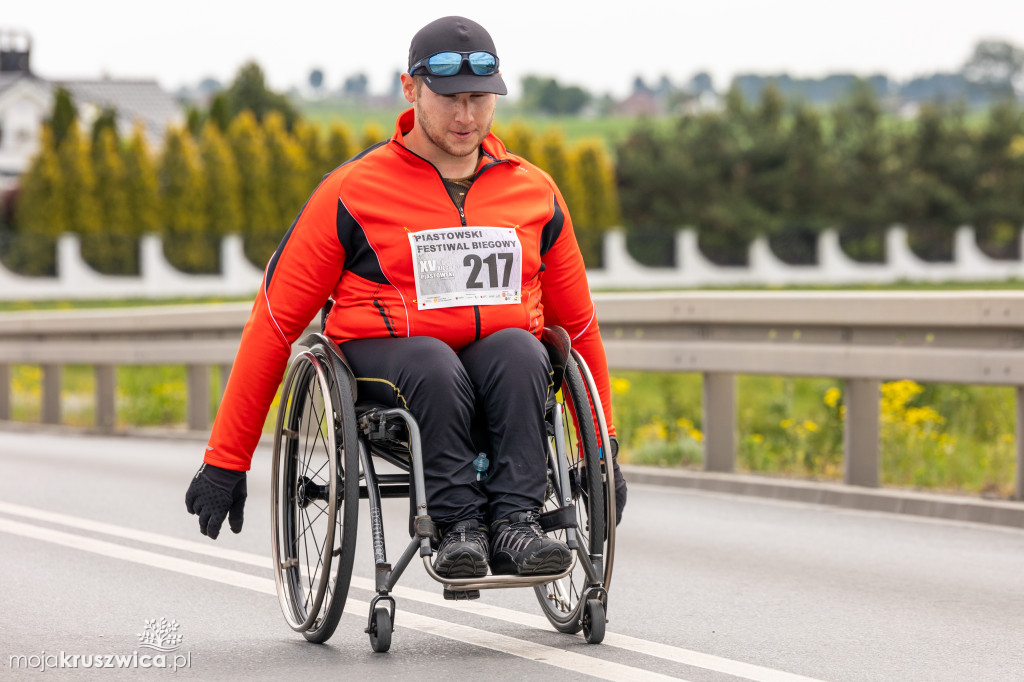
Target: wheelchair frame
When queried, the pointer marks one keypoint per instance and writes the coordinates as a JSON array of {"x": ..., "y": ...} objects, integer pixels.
[{"x": 325, "y": 445}]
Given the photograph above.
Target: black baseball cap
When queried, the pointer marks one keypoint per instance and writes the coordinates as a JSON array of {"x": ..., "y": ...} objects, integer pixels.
[{"x": 455, "y": 34}]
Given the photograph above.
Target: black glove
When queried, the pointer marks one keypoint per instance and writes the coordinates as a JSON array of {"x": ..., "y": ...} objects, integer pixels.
[
  {"x": 580, "y": 481},
  {"x": 212, "y": 494},
  {"x": 620, "y": 482}
]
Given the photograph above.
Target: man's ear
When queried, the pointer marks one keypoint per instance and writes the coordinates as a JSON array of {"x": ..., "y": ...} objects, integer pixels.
[{"x": 409, "y": 88}]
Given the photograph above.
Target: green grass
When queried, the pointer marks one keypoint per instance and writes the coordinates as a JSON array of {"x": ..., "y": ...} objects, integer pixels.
[{"x": 933, "y": 436}]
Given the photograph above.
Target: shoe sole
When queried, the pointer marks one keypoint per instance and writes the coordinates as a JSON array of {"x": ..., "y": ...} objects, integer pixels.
[
  {"x": 463, "y": 565},
  {"x": 551, "y": 560}
]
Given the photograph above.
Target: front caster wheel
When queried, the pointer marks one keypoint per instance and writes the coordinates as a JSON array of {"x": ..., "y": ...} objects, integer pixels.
[
  {"x": 593, "y": 621},
  {"x": 380, "y": 630}
]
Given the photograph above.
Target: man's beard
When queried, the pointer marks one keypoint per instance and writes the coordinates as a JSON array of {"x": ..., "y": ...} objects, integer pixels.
[{"x": 441, "y": 143}]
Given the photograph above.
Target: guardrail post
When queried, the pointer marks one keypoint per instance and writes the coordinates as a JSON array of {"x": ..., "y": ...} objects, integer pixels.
[
  {"x": 198, "y": 401},
  {"x": 51, "y": 393},
  {"x": 225, "y": 373},
  {"x": 860, "y": 434},
  {"x": 106, "y": 410},
  {"x": 1018, "y": 488},
  {"x": 719, "y": 421},
  {"x": 5, "y": 392}
]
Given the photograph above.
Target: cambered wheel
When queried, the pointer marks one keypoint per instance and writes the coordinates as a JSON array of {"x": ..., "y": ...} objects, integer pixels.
[
  {"x": 563, "y": 600},
  {"x": 380, "y": 630},
  {"x": 593, "y": 621},
  {"x": 315, "y": 495}
]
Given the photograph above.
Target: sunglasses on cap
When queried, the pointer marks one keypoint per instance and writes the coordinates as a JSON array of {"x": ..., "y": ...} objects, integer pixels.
[{"x": 450, "y": 63}]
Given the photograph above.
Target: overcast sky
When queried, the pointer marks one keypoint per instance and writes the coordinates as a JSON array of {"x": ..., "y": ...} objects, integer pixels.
[{"x": 600, "y": 45}]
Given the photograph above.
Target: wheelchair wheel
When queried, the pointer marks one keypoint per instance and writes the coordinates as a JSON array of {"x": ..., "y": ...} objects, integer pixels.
[
  {"x": 564, "y": 601},
  {"x": 315, "y": 497},
  {"x": 380, "y": 630}
]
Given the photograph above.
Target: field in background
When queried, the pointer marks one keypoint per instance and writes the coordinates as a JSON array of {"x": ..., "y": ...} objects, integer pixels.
[{"x": 608, "y": 129}]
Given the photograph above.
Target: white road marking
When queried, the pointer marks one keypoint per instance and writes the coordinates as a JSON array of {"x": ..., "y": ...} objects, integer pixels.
[
  {"x": 559, "y": 658},
  {"x": 656, "y": 649}
]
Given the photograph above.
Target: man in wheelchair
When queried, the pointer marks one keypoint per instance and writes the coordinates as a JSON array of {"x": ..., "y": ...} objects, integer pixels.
[{"x": 446, "y": 256}]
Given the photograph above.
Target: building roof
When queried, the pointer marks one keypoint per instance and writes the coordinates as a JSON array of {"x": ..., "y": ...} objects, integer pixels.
[{"x": 135, "y": 100}]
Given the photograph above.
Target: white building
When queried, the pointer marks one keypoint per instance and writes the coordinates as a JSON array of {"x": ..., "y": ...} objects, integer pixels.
[{"x": 26, "y": 100}]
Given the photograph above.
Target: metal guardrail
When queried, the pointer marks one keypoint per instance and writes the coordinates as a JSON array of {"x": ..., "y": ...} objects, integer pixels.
[{"x": 862, "y": 338}]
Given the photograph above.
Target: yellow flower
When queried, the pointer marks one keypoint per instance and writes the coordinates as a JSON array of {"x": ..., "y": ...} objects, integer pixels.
[
  {"x": 757, "y": 438},
  {"x": 620, "y": 385},
  {"x": 787, "y": 423},
  {"x": 697, "y": 435},
  {"x": 832, "y": 396},
  {"x": 810, "y": 426}
]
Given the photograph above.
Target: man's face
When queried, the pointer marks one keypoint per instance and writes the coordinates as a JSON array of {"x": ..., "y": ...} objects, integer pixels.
[{"x": 454, "y": 124}]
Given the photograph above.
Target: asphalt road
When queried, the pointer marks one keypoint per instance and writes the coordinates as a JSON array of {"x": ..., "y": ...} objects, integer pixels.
[{"x": 95, "y": 541}]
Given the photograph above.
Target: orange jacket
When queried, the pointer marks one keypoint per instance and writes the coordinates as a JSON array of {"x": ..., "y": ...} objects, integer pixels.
[{"x": 351, "y": 241}]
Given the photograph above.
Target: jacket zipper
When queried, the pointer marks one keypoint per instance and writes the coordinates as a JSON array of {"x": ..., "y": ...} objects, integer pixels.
[{"x": 462, "y": 212}]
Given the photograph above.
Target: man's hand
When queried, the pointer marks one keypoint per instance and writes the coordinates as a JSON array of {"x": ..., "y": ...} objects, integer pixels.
[
  {"x": 620, "y": 482},
  {"x": 213, "y": 493}
]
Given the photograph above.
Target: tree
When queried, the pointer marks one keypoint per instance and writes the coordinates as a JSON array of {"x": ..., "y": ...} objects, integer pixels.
[
  {"x": 39, "y": 212},
  {"x": 372, "y": 134},
  {"x": 107, "y": 120},
  {"x": 316, "y": 79},
  {"x": 220, "y": 112},
  {"x": 64, "y": 115},
  {"x": 114, "y": 248},
  {"x": 80, "y": 211},
  {"x": 356, "y": 86},
  {"x": 340, "y": 145},
  {"x": 867, "y": 177},
  {"x": 223, "y": 210},
  {"x": 183, "y": 201},
  {"x": 518, "y": 139},
  {"x": 142, "y": 195},
  {"x": 553, "y": 157},
  {"x": 259, "y": 229},
  {"x": 313, "y": 148},
  {"x": 997, "y": 65},
  {"x": 996, "y": 209},
  {"x": 249, "y": 91},
  {"x": 598, "y": 206},
  {"x": 547, "y": 96},
  {"x": 289, "y": 173}
]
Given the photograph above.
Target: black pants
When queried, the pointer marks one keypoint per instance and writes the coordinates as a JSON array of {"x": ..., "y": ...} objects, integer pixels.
[{"x": 489, "y": 397}]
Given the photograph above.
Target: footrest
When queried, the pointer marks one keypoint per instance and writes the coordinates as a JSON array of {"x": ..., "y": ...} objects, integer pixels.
[
  {"x": 460, "y": 595},
  {"x": 563, "y": 517}
]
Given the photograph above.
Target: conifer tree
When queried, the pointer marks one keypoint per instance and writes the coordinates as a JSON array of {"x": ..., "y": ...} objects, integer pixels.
[
  {"x": 598, "y": 206},
  {"x": 64, "y": 117},
  {"x": 186, "y": 243},
  {"x": 313, "y": 148},
  {"x": 340, "y": 145},
  {"x": 223, "y": 206},
  {"x": 114, "y": 249},
  {"x": 372, "y": 134},
  {"x": 80, "y": 211},
  {"x": 259, "y": 228},
  {"x": 553, "y": 157},
  {"x": 142, "y": 194},
  {"x": 289, "y": 170},
  {"x": 39, "y": 212},
  {"x": 518, "y": 139}
]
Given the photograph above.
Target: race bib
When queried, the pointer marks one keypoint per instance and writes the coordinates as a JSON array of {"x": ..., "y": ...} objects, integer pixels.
[{"x": 456, "y": 266}]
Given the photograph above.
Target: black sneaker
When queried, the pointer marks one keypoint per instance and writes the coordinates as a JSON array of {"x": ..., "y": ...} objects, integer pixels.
[
  {"x": 521, "y": 548},
  {"x": 463, "y": 550}
]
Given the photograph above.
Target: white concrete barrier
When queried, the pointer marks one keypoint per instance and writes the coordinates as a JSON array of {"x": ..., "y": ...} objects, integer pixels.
[{"x": 238, "y": 277}]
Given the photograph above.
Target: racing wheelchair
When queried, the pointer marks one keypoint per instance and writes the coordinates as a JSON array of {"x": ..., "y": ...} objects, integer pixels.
[{"x": 326, "y": 449}]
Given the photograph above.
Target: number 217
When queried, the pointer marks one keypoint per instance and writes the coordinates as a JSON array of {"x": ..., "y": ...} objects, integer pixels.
[{"x": 491, "y": 262}]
